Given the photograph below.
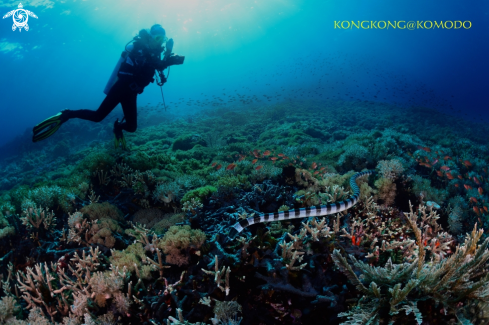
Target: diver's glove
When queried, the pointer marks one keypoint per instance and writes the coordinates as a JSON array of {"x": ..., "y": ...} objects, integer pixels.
[{"x": 169, "y": 45}]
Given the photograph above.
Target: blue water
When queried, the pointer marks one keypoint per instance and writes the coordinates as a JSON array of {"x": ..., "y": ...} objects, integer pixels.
[{"x": 274, "y": 47}]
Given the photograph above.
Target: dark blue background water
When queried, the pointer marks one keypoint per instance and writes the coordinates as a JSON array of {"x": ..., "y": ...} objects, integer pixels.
[{"x": 274, "y": 47}]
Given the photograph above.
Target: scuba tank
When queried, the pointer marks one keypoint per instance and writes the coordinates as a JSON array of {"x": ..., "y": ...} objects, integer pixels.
[
  {"x": 142, "y": 35},
  {"x": 113, "y": 77}
]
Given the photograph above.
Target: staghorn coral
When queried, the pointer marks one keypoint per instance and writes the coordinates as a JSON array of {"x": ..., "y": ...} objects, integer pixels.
[
  {"x": 37, "y": 219},
  {"x": 46, "y": 284},
  {"x": 447, "y": 280}
]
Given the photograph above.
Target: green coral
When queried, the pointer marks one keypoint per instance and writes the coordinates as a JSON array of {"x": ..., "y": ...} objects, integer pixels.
[
  {"x": 199, "y": 193},
  {"x": 230, "y": 181},
  {"x": 187, "y": 142}
]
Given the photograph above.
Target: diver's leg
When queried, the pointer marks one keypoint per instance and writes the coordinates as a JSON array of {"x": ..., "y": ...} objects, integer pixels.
[
  {"x": 129, "y": 107},
  {"x": 113, "y": 98}
]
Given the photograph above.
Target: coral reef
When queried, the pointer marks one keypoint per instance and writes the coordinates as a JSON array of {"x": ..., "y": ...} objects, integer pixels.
[{"x": 97, "y": 235}]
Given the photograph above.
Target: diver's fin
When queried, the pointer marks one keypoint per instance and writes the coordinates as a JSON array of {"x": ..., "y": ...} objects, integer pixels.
[
  {"x": 48, "y": 127},
  {"x": 119, "y": 140}
]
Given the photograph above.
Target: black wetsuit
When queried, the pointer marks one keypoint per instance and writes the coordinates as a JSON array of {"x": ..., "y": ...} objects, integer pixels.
[{"x": 132, "y": 79}]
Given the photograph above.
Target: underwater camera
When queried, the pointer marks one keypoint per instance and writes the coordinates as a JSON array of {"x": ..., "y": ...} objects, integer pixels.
[{"x": 175, "y": 59}]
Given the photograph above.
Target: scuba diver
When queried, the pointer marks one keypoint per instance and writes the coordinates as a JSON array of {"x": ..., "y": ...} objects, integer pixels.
[{"x": 133, "y": 72}]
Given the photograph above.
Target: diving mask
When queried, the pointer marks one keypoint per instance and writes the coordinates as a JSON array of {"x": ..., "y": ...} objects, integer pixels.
[{"x": 160, "y": 39}]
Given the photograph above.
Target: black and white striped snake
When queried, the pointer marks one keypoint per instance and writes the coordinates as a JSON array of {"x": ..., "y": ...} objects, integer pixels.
[{"x": 314, "y": 211}]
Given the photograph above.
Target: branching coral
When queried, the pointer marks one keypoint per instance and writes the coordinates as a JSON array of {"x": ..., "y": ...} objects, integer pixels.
[
  {"x": 73, "y": 292},
  {"x": 34, "y": 219},
  {"x": 447, "y": 280}
]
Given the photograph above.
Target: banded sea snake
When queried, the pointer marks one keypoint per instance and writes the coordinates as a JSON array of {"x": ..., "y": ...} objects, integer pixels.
[{"x": 313, "y": 211}]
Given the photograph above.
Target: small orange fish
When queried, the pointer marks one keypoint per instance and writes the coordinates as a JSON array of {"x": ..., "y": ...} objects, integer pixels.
[
  {"x": 476, "y": 210},
  {"x": 314, "y": 165},
  {"x": 476, "y": 180},
  {"x": 254, "y": 161},
  {"x": 322, "y": 168},
  {"x": 316, "y": 172},
  {"x": 267, "y": 153},
  {"x": 445, "y": 168},
  {"x": 353, "y": 240},
  {"x": 485, "y": 208},
  {"x": 450, "y": 176},
  {"x": 460, "y": 176},
  {"x": 231, "y": 166},
  {"x": 467, "y": 187},
  {"x": 467, "y": 163},
  {"x": 437, "y": 244},
  {"x": 213, "y": 164},
  {"x": 456, "y": 184},
  {"x": 259, "y": 167},
  {"x": 480, "y": 190},
  {"x": 447, "y": 157},
  {"x": 218, "y": 167},
  {"x": 473, "y": 199},
  {"x": 241, "y": 158},
  {"x": 439, "y": 173},
  {"x": 424, "y": 148},
  {"x": 273, "y": 158},
  {"x": 281, "y": 155}
]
